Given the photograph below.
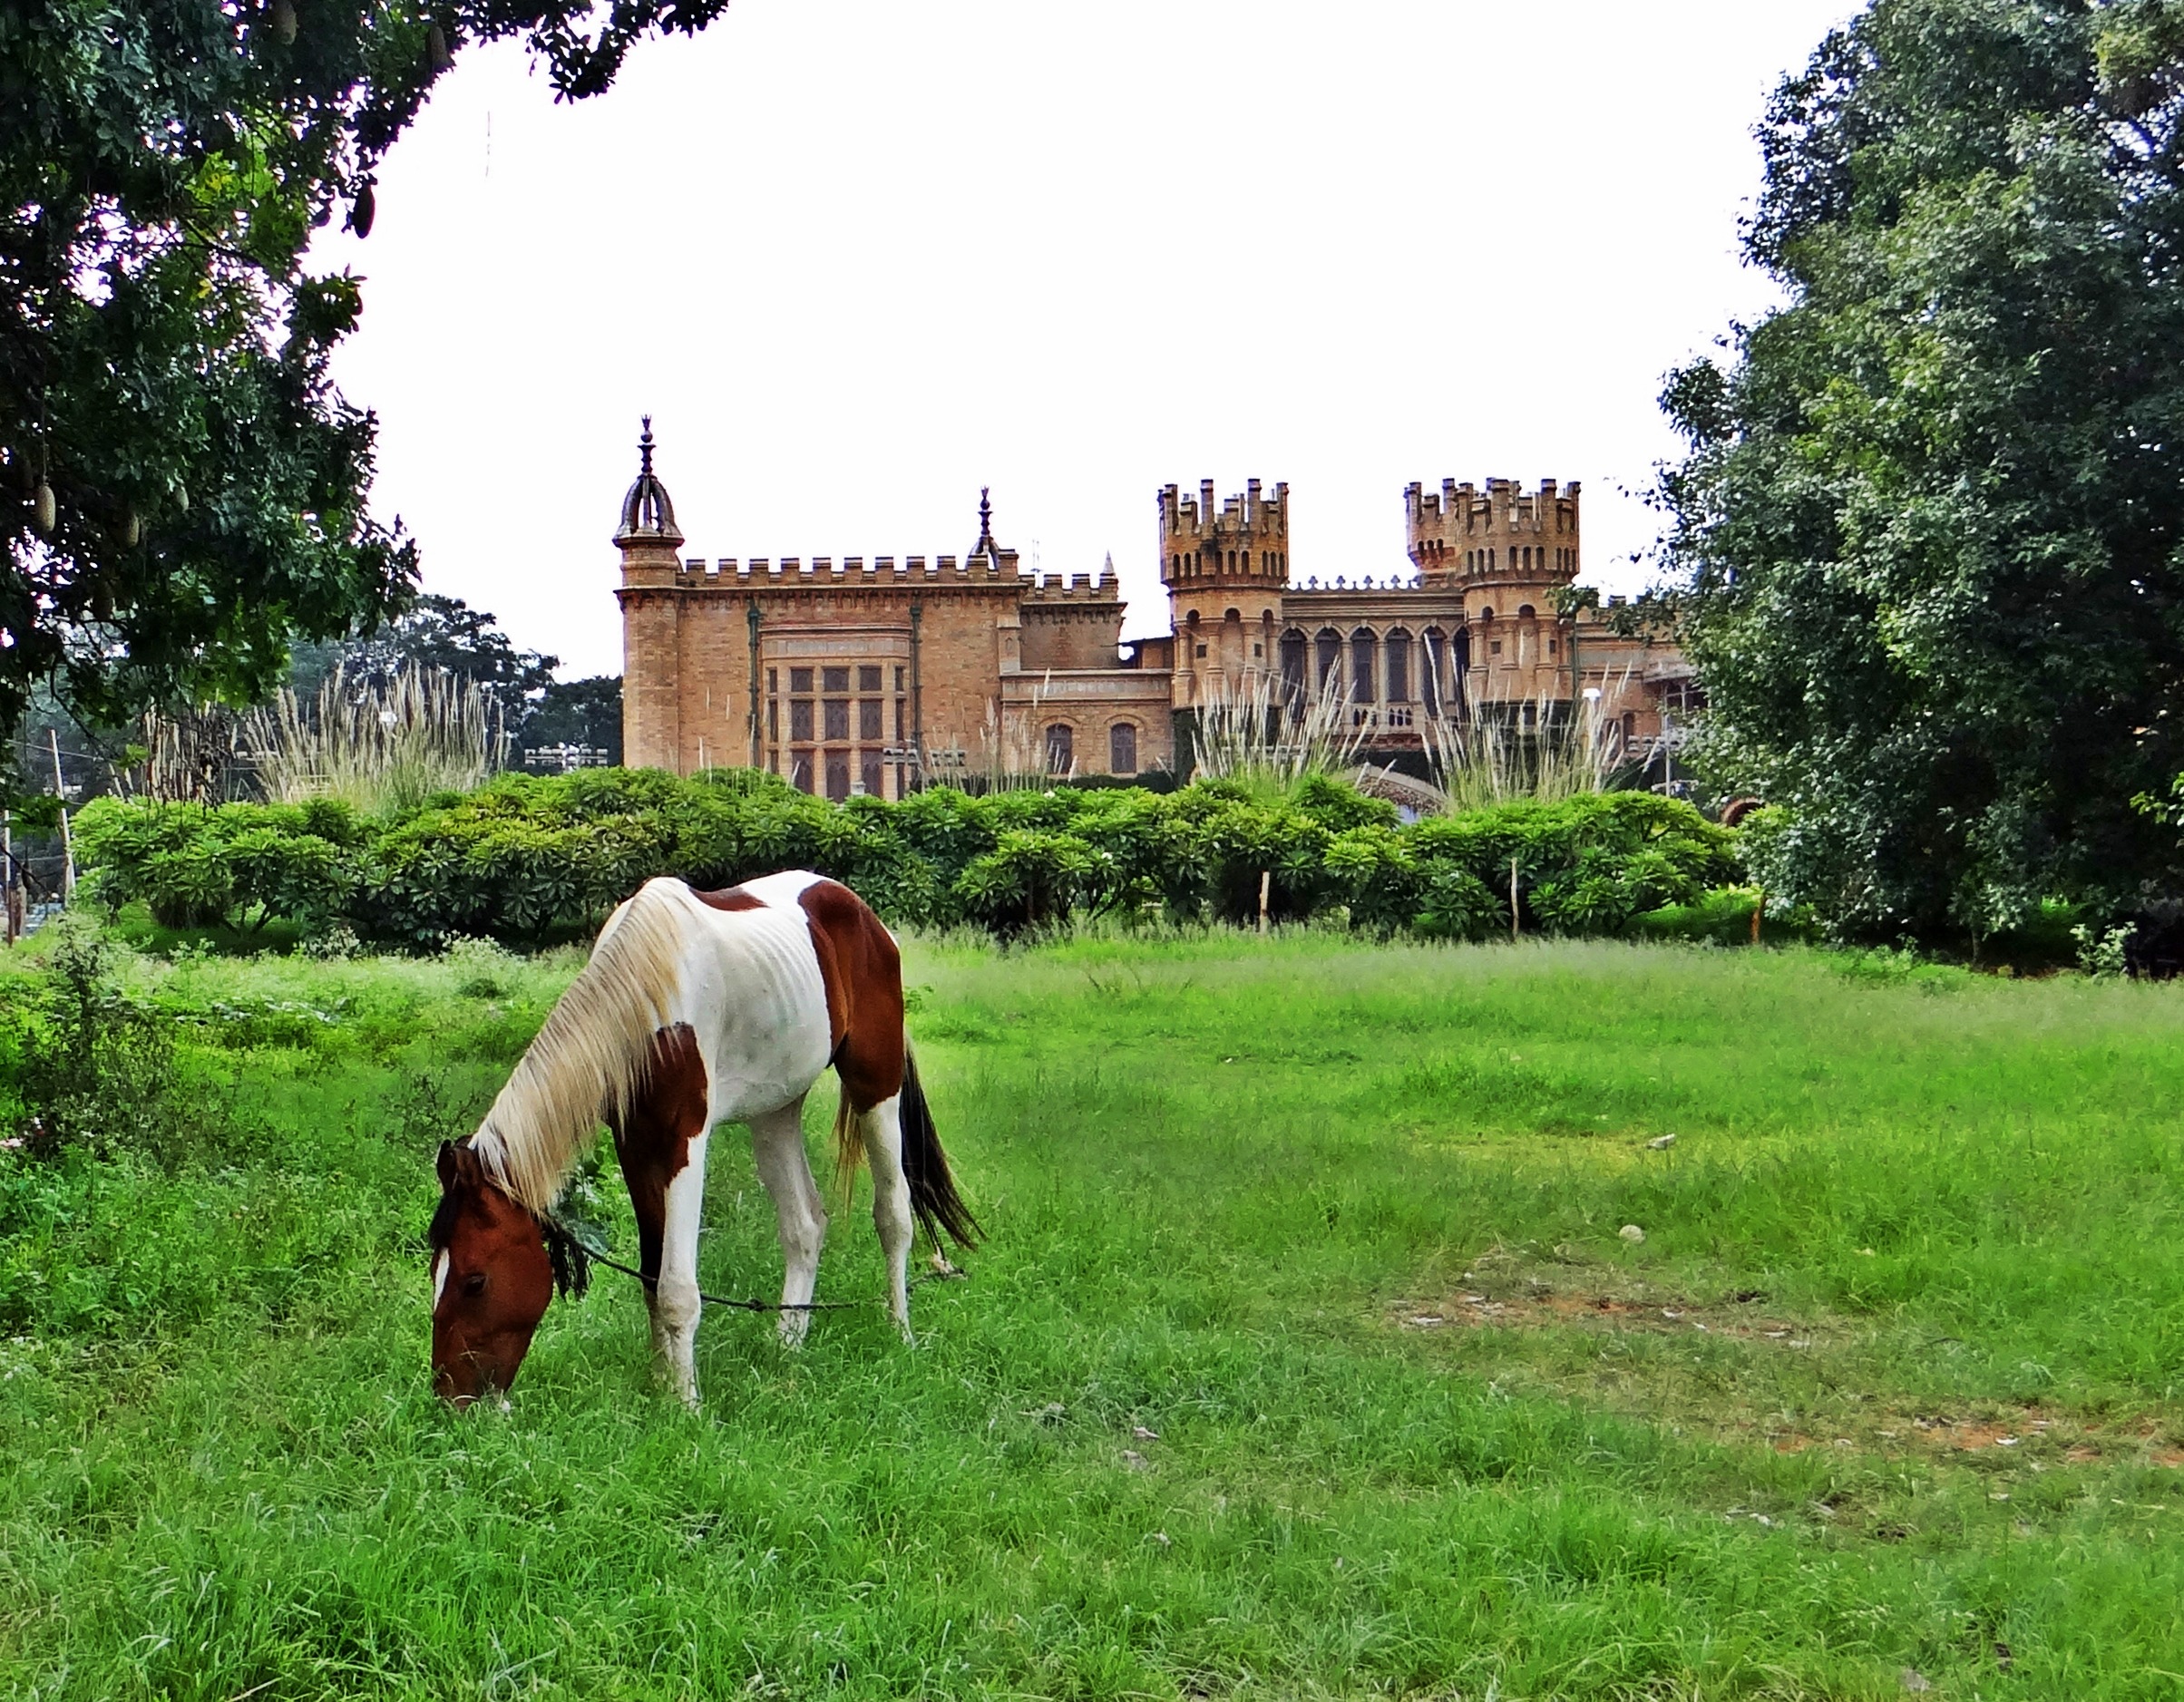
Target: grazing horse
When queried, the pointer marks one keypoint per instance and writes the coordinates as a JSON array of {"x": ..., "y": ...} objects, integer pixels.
[{"x": 696, "y": 1008}]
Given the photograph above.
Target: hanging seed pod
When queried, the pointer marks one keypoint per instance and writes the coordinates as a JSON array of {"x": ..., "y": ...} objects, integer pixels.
[
  {"x": 46, "y": 513},
  {"x": 131, "y": 530},
  {"x": 437, "y": 56},
  {"x": 362, "y": 211},
  {"x": 281, "y": 15}
]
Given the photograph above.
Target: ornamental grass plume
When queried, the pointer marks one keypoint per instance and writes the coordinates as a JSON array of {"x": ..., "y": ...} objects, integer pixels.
[
  {"x": 1499, "y": 753},
  {"x": 1246, "y": 732},
  {"x": 379, "y": 749}
]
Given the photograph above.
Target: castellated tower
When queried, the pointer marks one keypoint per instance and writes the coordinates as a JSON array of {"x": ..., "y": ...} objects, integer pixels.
[
  {"x": 1225, "y": 574},
  {"x": 1498, "y": 541},
  {"x": 1502, "y": 554},
  {"x": 650, "y": 540}
]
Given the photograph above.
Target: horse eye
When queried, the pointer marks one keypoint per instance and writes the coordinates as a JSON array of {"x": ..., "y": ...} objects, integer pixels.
[{"x": 474, "y": 1283}]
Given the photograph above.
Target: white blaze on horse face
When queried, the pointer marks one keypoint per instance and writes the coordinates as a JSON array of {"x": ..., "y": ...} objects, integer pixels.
[{"x": 439, "y": 1276}]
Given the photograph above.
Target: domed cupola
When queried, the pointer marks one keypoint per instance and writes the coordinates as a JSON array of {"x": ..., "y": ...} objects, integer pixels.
[{"x": 647, "y": 516}]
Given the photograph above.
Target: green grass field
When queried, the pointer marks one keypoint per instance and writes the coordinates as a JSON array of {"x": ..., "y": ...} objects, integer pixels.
[{"x": 1305, "y": 1358}]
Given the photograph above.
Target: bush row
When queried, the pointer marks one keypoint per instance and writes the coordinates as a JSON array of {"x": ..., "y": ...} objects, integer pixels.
[{"x": 528, "y": 859}]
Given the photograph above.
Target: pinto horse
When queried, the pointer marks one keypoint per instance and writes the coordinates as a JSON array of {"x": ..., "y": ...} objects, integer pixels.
[{"x": 696, "y": 1008}]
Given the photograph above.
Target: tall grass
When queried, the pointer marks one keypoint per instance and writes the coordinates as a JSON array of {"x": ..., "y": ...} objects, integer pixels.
[
  {"x": 1492, "y": 757},
  {"x": 1247, "y": 733},
  {"x": 376, "y": 747}
]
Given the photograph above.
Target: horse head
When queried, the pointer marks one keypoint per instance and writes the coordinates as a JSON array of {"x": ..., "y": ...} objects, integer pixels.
[{"x": 492, "y": 1279}]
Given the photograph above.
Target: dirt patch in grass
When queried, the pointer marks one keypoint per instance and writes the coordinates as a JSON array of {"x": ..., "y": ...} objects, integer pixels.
[{"x": 1865, "y": 1419}]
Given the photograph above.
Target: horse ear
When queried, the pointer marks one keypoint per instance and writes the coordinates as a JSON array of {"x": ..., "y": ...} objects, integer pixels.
[{"x": 447, "y": 1164}]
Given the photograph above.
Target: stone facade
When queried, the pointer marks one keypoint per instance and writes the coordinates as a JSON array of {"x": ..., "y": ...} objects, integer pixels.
[{"x": 865, "y": 676}]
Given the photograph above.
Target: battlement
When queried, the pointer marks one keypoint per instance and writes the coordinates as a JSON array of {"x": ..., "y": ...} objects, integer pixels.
[
  {"x": 1247, "y": 539},
  {"x": 1464, "y": 532},
  {"x": 1099, "y": 586},
  {"x": 792, "y": 572}
]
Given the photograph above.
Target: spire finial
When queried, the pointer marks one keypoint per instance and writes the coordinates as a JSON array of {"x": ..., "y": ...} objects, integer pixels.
[
  {"x": 644, "y": 446},
  {"x": 985, "y": 543}
]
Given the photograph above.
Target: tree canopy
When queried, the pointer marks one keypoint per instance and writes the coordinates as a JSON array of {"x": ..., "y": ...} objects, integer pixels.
[
  {"x": 184, "y": 488},
  {"x": 1929, "y": 525}
]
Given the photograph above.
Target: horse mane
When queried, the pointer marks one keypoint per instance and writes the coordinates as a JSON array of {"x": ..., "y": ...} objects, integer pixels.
[{"x": 589, "y": 1059}]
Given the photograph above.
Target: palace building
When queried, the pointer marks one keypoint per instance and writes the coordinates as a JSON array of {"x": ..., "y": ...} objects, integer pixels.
[{"x": 872, "y": 676}]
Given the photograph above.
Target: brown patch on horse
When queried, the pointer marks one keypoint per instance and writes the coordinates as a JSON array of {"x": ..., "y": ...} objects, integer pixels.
[
  {"x": 728, "y": 899},
  {"x": 653, "y": 1139},
  {"x": 864, "y": 975},
  {"x": 498, "y": 1282}
]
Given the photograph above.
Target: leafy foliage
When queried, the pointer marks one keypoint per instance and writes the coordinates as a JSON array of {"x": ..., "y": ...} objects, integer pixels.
[
  {"x": 1932, "y": 517},
  {"x": 183, "y": 486},
  {"x": 527, "y": 859}
]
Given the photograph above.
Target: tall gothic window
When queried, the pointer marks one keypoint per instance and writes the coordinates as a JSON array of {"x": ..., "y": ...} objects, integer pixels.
[
  {"x": 1061, "y": 748},
  {"x": 1329, "y": 645},
  {"x": 1122, "y": 748},
  {"x": 1398, "y": 666},
  {"x": 1363, "y": 650},
  {"x": 1294, "y": 647}
]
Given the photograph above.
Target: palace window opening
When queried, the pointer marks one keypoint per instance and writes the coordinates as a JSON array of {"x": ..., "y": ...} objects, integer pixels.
[
  {"x": 837, "y": 776},
  {"x": 800, "y": 770},
  {"x": 1293, "y": 648},
  {"x": 1122, "y": 748},
  {"x": 834, "y": 679},
  {"x": 800, "y": 721},
  {"x": 1431, "y": 675},
  {"x": 1330, "y": 647},
  {"x": 1363, "y": 655},
  {"x": 871, "y": 718},
  {"x": 1061, "y": 748},
  {"x": 868, "y": 678},
  {"x": 800, "y": 680},
  {"x": 1524, "y": 611},
  {"x": 874, "y": 775},
  {"x": 837, "y": 713},
  {"x": 1398, "y": 666},
  {"x": 772, "y": 720}
]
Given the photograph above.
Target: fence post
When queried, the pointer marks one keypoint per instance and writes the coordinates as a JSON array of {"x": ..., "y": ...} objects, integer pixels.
[
  {"x": 68, "y": 848},
  {"x": 1516, "y": 922},
  {"x": 1265, "y": 878}
]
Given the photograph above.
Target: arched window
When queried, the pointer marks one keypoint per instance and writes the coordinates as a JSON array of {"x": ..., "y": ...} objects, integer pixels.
[
  {"x": 1398, "y": 666},
  {"x": 1122, "y": 748},
  {"x": 1061, "y": 748},
  {"x": 837, "y": 776},
  {"x": 1364, "y": 649},
  {"x": 1294, "y": 647},
  {"x": 1433, "y": 671},
  {"x": 1524, "y": 611},
  {"x": 1329, "y": 646}
]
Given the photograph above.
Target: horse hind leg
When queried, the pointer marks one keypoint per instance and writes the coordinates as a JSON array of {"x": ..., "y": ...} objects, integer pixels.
[
  {"x": 881, "y": 1129},
  {"x": 799, "y": 1214}
]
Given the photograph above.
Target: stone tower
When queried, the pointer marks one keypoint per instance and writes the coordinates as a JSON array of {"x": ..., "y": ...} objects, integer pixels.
[
  {"x": 1225, "y": 574},
  {"x": 649, "y": 541},
  {"x": 1503, "y": 553}
]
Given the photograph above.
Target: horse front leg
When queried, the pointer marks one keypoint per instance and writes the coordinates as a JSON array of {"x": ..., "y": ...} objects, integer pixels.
[
  {"x": 799, "y": 1214},
  {"x": 673, "y": 1296}
]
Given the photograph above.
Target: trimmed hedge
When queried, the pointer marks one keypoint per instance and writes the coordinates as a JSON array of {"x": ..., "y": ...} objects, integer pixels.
[{"x": 528, "y": 859}]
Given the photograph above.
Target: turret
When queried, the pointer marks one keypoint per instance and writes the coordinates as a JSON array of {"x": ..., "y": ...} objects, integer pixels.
[
  {"x": 1224, "y": 573},
  {"x": 649, "y": 541},
  {"x": 1462, "y": 539}
]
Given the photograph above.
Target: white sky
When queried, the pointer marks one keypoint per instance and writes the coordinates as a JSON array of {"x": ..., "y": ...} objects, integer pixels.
[{"x": 858, "y": 257}]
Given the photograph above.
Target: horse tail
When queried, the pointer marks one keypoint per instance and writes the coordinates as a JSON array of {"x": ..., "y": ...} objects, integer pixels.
[{"x": 932, "y": 1190}]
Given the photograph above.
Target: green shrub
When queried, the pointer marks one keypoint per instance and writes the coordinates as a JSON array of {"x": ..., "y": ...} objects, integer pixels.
[{"x": 528, "y": 859}]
